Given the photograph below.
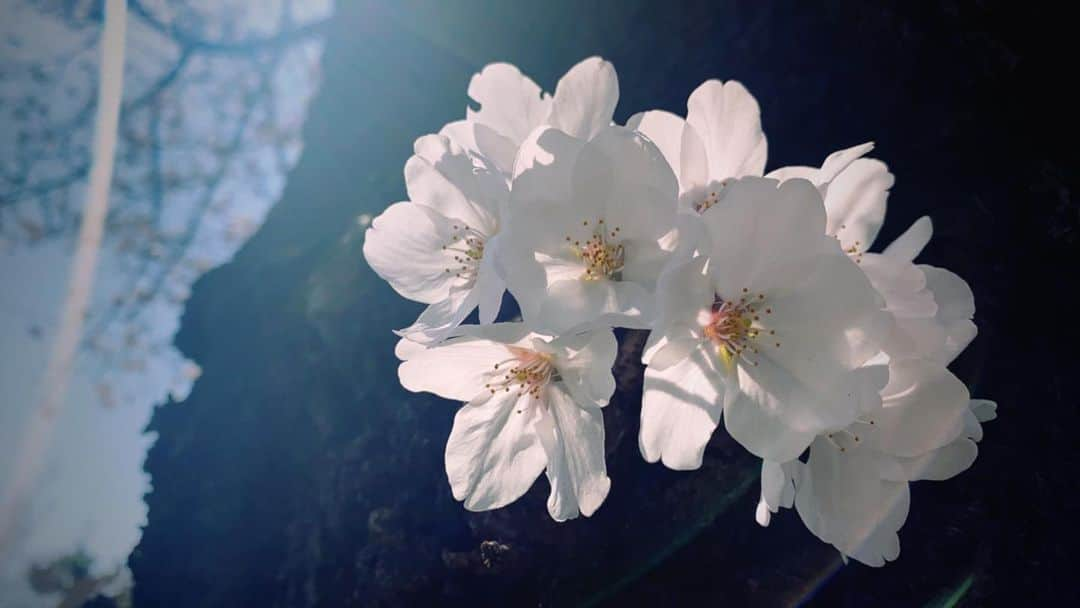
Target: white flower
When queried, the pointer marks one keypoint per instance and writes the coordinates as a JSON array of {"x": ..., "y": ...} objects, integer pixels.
[
  {"x": 512, "y": 106},
  {"x": 932, "y": 307},
  {"x": 768, "y": 325},
  {"x": 437, "y": 248},
  {"x": 853, "y": 490},
  {"x": 530, "y": 403},
  {"x": 589, "y": 229},
  {"x": 720, "y": 139}
]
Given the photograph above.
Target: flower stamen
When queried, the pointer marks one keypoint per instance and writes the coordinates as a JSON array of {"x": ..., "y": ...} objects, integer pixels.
[
  {"x": 843, "y": 439},
  {"x": 527, "y": 371},
  {"x": 466, "y": 246},
  {"x": 713, "y": 197},
  {"x": 603, "y": 258},
  {"x": 734, "y": 327},
  {"x": 855, "y": 253},
  {"x": 704, "y": 205}
]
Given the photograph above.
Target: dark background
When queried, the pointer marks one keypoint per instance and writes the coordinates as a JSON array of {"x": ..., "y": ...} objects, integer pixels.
[{"x": 300, "y": 473}]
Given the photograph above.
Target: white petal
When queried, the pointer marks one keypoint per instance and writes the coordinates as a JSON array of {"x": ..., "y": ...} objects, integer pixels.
[
  {"x": 762, "y": 514},
  {"x": 664, "y": 129},
  {"x": 674, "y": 349},
  {"x": 484, "y": 141},
  {"x": 810, "y": 174},
  {"x": 510, "y": 102},
  {"x": 825, "y": 329},
  {"x": 573, "y": 438},
  {"x": 644, "y": 259},
  {"x": 513, "y": 333},
  {"x": 939, "y": 335},
  {"x": 914, "y": 338},
  {"x": 855, "y": 201},
  {"x": 626, "y": 179},
  {"x": 585, "y": 98},
  {"x": 972, "y": 428},
  {"x": 459, "y": 368},
  {"x": 690, "y": 235},
  {"x": 955, "y": 309},
  {"x": 778, "y": 481},
  {"x": 462, "y": 134},
  {"x": 679, "y": 144},
  {"x": 952, "y": 294},
  {"x": 680, "y": 409},
  {"x": 489, "y": 286},
  {"x": 843, "y": 501},
  {"x": 958, "y": 335},
  {"x": 478, "y": 181},
  {"x": 493, "y": 454},
  {"x": 909, "y": 245},
  {"x": 727, "y": 119},
  {"x": 923, "y": 409},
  {"x": 404, "y": 245},
  {"x": 941, "y": 464},
  {"x": 984, "y": 410},
  {"x": 525, "y": 280},
  {"x": 682, "y": 291},
  {"x": 544, "y": 167},
  {"x": 762, "y": 233},
  {"x": 576, "y": 303},
  {"x": 834, "y": 164},
  {"x": 441, "y": 318},
  {"x": 835, "y": 310},
  {"x": 774, "y": 410},
  {"x": 407, "y": 349},
  {"x": 584, "y": 361},
  {"x": 840, "y": 160},
  {"x": 445, "y": 178},
  {"x": 500, "y": 150},
  {"x": 762, "y": 431},
  {"x": 901, "y": 283},
  {"x": 868, "y": 383}
]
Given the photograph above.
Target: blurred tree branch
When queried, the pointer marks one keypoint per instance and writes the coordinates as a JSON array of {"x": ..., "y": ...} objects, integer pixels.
[{"x": 202, "y": 130}]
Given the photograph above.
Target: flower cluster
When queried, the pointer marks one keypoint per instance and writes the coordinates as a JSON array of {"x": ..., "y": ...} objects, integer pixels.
[{"x": 765, "y": 305}]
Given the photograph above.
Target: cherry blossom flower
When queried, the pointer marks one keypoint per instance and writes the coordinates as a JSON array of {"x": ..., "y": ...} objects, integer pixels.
[
  {"x": 590, "y": 226},
  {"x": 512, "y": 106},
  {"x": 852, "y": 491},
  {"x": 531, "y": 404},
  {"x": 768, "y": 326},
  {"x": 437, "y": 247}
]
